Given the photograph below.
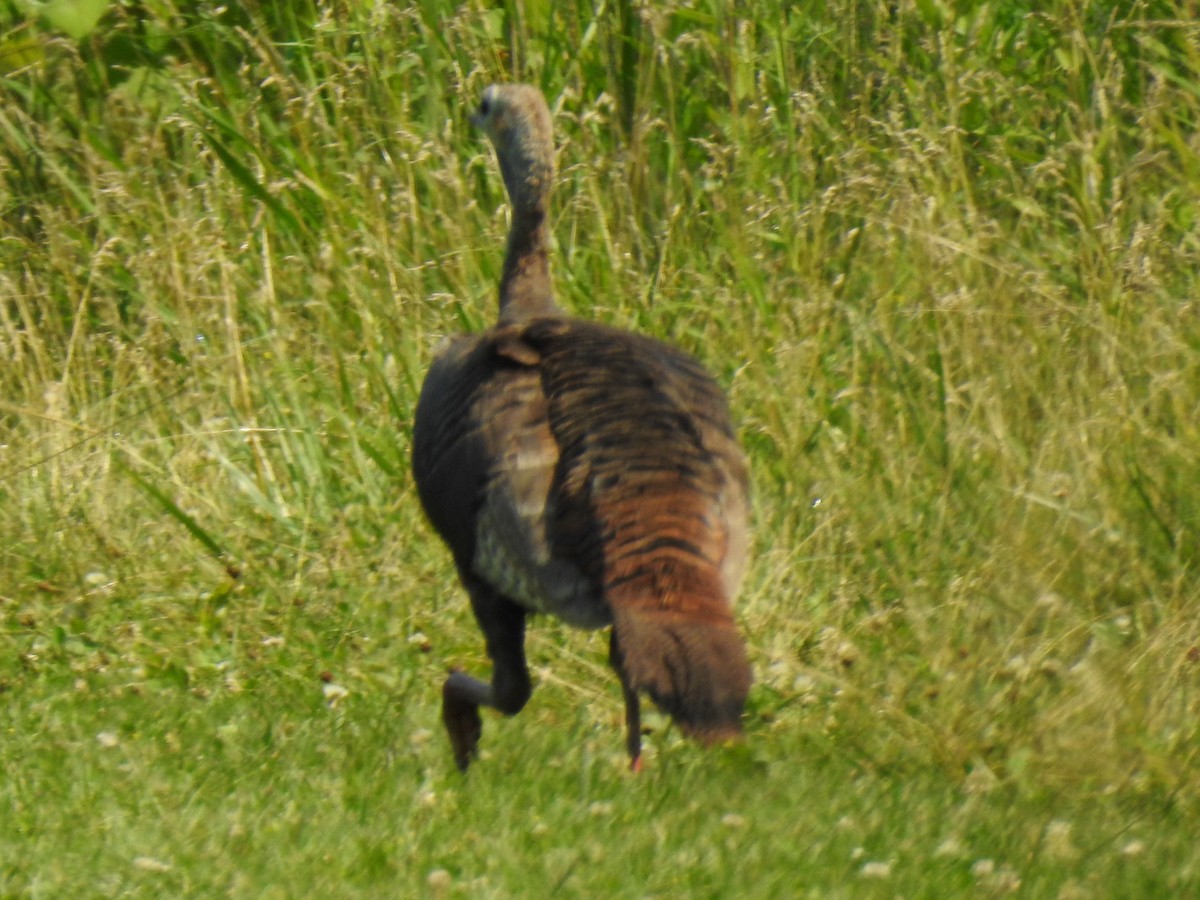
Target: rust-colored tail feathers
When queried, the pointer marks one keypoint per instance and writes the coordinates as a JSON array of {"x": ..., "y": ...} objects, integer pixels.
[{"x": 693, "y": 667}]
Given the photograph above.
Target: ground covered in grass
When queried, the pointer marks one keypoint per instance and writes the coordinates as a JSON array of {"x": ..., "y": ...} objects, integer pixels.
[{"x": 947, "y": 264}]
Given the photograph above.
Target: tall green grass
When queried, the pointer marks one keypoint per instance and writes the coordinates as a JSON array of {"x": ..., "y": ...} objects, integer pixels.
[{"x": 945, "y": 261}]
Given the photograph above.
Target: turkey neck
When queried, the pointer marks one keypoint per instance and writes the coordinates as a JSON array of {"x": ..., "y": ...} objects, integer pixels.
[
  {"x": 525, "y": 289},
  {"x": 525, "y": 285}
]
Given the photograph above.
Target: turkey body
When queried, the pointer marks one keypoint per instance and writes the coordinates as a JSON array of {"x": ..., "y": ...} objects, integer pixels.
[{"x": 584, "y": 472}]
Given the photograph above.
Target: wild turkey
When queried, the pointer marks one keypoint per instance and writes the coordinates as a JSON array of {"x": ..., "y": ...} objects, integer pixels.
[{"x": 585, "y": 472}]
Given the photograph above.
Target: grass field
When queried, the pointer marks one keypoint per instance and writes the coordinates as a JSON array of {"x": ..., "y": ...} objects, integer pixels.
[{"x": 947, "y": 264}]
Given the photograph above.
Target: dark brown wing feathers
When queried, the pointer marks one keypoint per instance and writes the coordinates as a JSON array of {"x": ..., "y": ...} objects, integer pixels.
[
  {"x": 647, "y": 484},
  {"x": 650, "y": 482}
]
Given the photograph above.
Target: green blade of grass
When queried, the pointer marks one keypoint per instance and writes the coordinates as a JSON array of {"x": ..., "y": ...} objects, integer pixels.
[{"x": 171, "y": 508}]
